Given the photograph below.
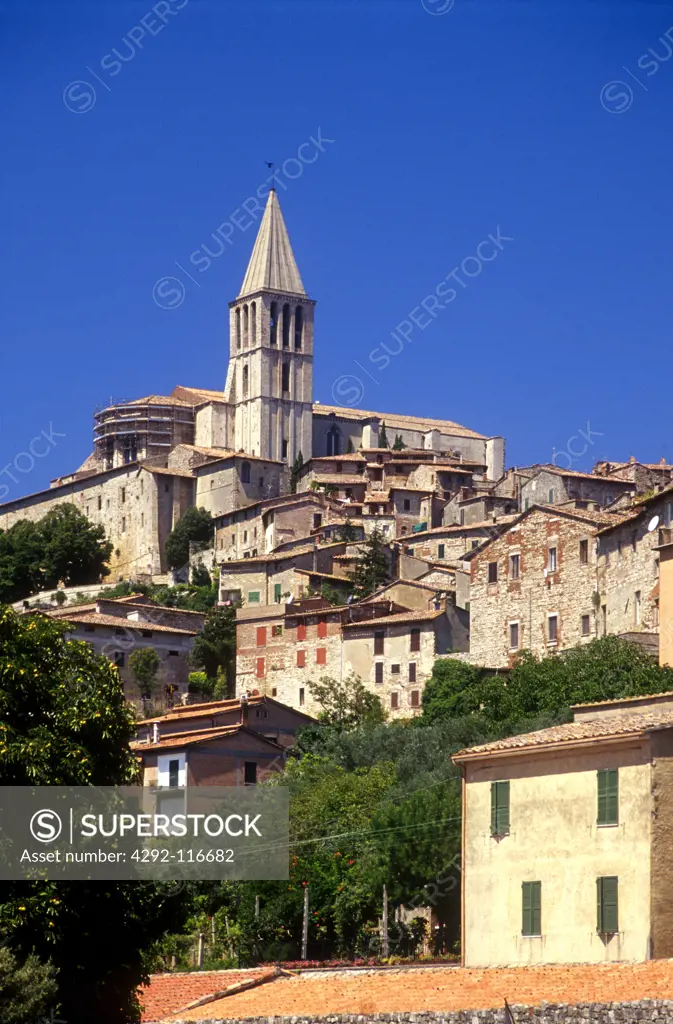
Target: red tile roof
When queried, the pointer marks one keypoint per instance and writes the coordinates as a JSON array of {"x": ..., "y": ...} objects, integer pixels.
[{"x": 168, "y": 993}]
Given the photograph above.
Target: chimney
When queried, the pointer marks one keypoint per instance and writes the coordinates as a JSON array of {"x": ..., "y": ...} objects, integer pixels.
[
  {"x": 155, "y": 732},
  {"x": 245, "y": 710},
  {"x": 632, "y": 459}
]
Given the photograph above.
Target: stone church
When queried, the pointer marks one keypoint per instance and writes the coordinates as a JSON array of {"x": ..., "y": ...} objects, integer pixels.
[{"x": 221, "y": 450}]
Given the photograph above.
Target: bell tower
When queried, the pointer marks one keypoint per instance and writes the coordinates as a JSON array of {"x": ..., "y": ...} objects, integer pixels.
[{"x": 270, "y": 376}]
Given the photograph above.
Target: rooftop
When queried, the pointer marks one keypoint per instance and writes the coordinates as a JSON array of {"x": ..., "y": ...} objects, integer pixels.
[
  {"x": 272, "y": 265},
  {"x": 93, "y": 618},
  {"x": 395, "y": 420},
  {"x": 191, "y": 739},
  {"x": 394, "y": 620}
]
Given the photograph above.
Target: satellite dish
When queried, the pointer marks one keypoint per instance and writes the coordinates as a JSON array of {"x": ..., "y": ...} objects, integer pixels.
[{"x": 653, "y": 523}]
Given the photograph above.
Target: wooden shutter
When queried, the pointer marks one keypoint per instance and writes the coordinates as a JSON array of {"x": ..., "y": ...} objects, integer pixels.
[
  {"x": 531, "y": 908},
  {"x": 607, "y": 900},
  {"x": 378, "y": 668},
  {"x": 260, "y": 668},
  {"x": 321, "y": 656},
  {"x": 608, "y": 796},
  {"x": 500, "y": 808},
  {"x": 322, "y": 628},
  {"x": 261, "y": 636},
  {"x": 301, "y": 659},
  {"x": 415, "y": 644},
  {"x": 301, "y": 631},
  {"x": 379, "y": 641}
]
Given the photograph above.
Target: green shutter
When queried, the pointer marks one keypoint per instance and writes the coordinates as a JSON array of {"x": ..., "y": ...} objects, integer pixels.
[
  {"x": 608, "y": 796},
  {"x": 499, "y": 808},
  {"x": 531, "y": 908},
  {"x": 277, "y": 592},
  {"x": 608, "y": 916},
  {"x": 253, "y": 597}
]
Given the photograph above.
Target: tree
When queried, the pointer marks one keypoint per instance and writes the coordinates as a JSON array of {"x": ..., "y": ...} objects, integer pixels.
[
  {"x": 200, "y": 576},
  {"x": 295, "y": 472},
  {"x": 27, "y": 991},
  {"x": 144, "y": 662},
  {"x": 448, "y": 688},
  {"x": 346, "y": 704},
  {"x": 215, "y": 646},
  {"x": 348, "y": 533},
  {"x": 64, "y": 721},
  {"x": 383, "y": 437},
  {"x": 62, "y": 547},
  {"x": 399, "y": 444},
  {"x": 195, "y": 526},
  {"x": 372, "y": 568}
]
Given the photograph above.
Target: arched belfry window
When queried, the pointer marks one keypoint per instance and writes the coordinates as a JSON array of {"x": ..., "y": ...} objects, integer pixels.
[
  {"x": 245, "y": 326},
  {"x": 253, "y": 323},
  {"x": 245, "y": 472},
  {"x": 298, "y": 326},
  {"x": 334, "y": 441},
  {"x": 273, "y": 323},
  {"x": 285, "y": 378},
  {"x": 286, "y": 325},
  {"x": 246, "y": 376},
  {"x": 238, "y": 327}
]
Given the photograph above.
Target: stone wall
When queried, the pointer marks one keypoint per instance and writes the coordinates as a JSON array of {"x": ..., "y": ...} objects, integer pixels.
[{"x": 645, "y": 1011}]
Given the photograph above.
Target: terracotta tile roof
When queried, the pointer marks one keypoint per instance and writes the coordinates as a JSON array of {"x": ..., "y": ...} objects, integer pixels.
[
  {"x": 190, "y": 739},
  {"x": 153, "y": 400},
  {"x": 165, "y": 471},
  {"x": 168, "y": 993},
  {"x": 368, "y": 994},
  {"x": 459, "y": 528},
  {"x": 340, "y": 478},
  {"x": 622, "y": 700},
  {"x": 349, "y": 457},
  {"x": 395, "y": 420},
  {"x": 94, "y": 619},
  {"x": 609, "y": 727},
  {"x": 325, "y": 575},
  {"x": 548, "y": 467},
  {"x": 197, "y": 396},
  {"x": 391, "y": 620},
  {"x": 272, "y": 556}
]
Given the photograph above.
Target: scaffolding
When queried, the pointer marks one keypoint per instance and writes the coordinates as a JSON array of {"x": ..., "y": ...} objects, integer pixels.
[{"x": 144, "y": 429}]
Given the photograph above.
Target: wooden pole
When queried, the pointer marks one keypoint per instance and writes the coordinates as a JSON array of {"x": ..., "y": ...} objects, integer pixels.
[
  {"x": 304, "y": 931},
  {"x": 385, "y": 921},
  {"x": 199, "y": 958}
]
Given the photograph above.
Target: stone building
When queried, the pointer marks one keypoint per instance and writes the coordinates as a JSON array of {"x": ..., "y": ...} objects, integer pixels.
[
  {"x": 550, "y": 485},
  {"x": 644, "y": 476},
  {"x": 566, "y": 840},
  {"x": 263, "y": 526},
  {"x": 448, "y": 544}
]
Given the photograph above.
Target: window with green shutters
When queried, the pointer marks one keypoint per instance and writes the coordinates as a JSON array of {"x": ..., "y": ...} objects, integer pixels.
[
  {"x": 607, "y": 905},
  {"x": 277, "y": 592},
  {"x": 531, "y": 907},
  {"x": 500, "y": 808},
  {"x": 608, "y": 796}
]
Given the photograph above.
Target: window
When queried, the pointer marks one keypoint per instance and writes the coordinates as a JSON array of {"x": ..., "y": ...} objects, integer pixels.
[
  {"x": 88, "y": 628},
  {"x": 394, "y": 700},
  {"x": 119, "y": 659},
  {"x": 274, "y": 691},
  {"x": 261, "y": 636},
  {"x": 245, "y": 479},
  {"x": 273, "y": 324},
  {"x": 513, "y": 635},
  {"x": 440, "y": 550},
  {"x": 253, "y": 323},
  {"x": 317, "y": 521},
  {"x": 606, "y": 902},
  {"x": 500, "y": 808},
  {"x": 415, "y": 698},
  {"x": 552, "y": 629},
  {"x": 378, "y": 673},
  {"x": 238, "y": 328},
  {"x": 285, "y": 377},
  {"x": 298, "y": 326},
  {"x": 302, "y": 696},
  {"x": 87, "y": 510},
  {"x": 321, "y": 656},
  {"x": 301, "y": 659},
  {"x": 462, "y": 517},
  {"x": 301, "y": 631},
  {"x": 415, "y": 640},
  {"x": 514, "y": 566},
  {"x": 531, "y": 893},
  {"x": 142, "y": 518},
  {"x": 250, "y": 773},
  {"x": 550, "y": 496},
  {"x": 123, "y": 496},
  {"x": 146, "y": 632},
  {"x": 492, "y": 572},
  {"x": 246, "y": 381},
  {"x": 174, "y": 654},
  {"x": 174, "y": 773},
  {"x": 253, "y": 597},
  {"x": 584, "y": 552},
  {"x": 277, "y": 592},
  {"x": 586, "y": 625},
  {"x": 286, "y": 325},
  {"x": 604, "y": 619},
  {"x": 407, "y": 505},
  {"x": 100, "y": 504},
  {"x": 608, "y": 796},
  {"x": 379, "y": 641},
  {"x": 339, "y": 467},
  {"x": 638, "y": 608},
  {"x": 123, "y": 524},
  {"x": 412, "y": 671},
  {"x": 119, "y": 631},
  {"x": 260, "y": 668},
  {"x": 285, "y": 449},
  {"x": 395, "y": 670},
  {"x": 322, "y": 628},
  {"x": 551, "y": 560},
  {"x": 246, "y": 321}
]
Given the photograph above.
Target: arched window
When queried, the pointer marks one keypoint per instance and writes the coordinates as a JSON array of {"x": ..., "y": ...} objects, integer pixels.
[
  {"x": 285, "y": 378},
  {"x": 286, "y": 326},
  {"x": 334, "y": 441},
  {"x": 245, "y": 472},
  {"x": 253, "y": 323},
  {"x": 245, "y": 381},
  {"x": 298, "y": 326},
  {"x": 238, "y": 327},
  {"x": 245, "y": 327},
  {"x": 273, "y": 323}
]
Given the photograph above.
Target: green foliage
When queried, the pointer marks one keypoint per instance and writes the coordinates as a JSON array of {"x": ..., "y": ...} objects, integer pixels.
[
  {"x": 346, "y": 704},
  {"x": 187, "y": 596},
  {"x": 59, "y": 598},
  {"x": 199, "y": 683},
  {"x": 399, "y": 444},
  {"x": 62, "y": 547},
  {"x": 335, "y": 595},
  {"x": 349, "y": 447},
  {"x": 348, "y": 533},
  {"x": 27, "y": 991},
  {"x": 144, "y": 662},
  {"x": 200, "y": 577},
  {"x": 371, "y": 570},
  {"x": 448, "y": 691},
  {"x": 215, "y": 646},
  {"x": 195, "y": 526},
  {"x": 295, "y": 472},
  {"x": 383, "y": 437}
]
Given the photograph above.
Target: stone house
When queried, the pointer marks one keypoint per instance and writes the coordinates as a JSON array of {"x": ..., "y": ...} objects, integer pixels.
[
  {"x": 550, "y": 485},
  {"x": 448, "y": 544},
  {"x": 566, "y": 839},
  {"x": 287, "y": 572},
  {"x": 644, "y": 476},
  {"x": 466, "y": 507},
  {"x": 118, "y": 628},
  {"x": 263, "y": 526}
]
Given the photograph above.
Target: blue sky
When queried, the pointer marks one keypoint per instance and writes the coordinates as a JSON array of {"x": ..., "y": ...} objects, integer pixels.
[{"x": 450, "y": 122}]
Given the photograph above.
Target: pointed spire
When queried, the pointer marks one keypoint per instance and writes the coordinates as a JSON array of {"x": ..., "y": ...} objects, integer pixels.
[{"x": 272, "y": 265}]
